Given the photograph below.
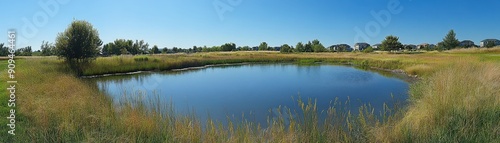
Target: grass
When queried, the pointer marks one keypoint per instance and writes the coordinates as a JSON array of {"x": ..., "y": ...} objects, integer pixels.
[
  {"x": 458, "y": 103},
  {"x": 454, "y": 101}
]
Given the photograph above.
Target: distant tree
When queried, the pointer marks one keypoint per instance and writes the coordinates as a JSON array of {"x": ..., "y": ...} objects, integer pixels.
[
  {"x": 246, "y": 48},
  {"x": 300, "y": 47},
  {"x": 263, "y": 46},
  {"x": 391, "y": 43},
  {"x": 317, "y": 46},
  {"x": 4, "y": 51},
  {"x": 440, "y": 47},
  {"x": 164, "y": 50},
  {"x": 228, "y": 47},
  {"x": 368, "y": 50},
  {"x": 490, "y": 44},
  {"x": 111, "y": 49},
  {"x": 285, "y": 48},
  {"x": 450, "y": 42},
  {"x": 175, "y": 49},
  {"x": 48, "y": 49},
  {"x": 155, "y": 50},
  {"x": 195, "y": 49},
  {"x": 26, "y": 51},
  {"x": 308, "y": 47},
  {"x": 141, "y": 47}
]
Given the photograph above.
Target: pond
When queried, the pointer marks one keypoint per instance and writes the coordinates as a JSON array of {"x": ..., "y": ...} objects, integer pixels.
[{"x": 256, "y": 90}]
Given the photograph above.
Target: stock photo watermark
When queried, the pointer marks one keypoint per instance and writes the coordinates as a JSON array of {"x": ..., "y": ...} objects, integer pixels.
[
  {"x": 11, "y": 82},
  {"x": 223, "y": 6},
  {"x": 382, "y": 19},
  {"x": 30, "y": 26}
]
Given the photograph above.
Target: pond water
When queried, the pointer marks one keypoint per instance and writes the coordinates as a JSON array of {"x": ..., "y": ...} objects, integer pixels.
[{"x": 256, "y": 90}]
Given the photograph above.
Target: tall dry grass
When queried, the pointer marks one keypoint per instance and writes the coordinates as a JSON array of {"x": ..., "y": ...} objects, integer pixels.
[{"x": 458, "y": 103}]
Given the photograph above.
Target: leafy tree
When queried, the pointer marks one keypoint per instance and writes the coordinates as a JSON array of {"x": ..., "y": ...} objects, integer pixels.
[
  {"x": 368, "y": 50},
  {"x": 263, "y": 46},
  {"x": 4, "y": 51},
  {"x": 175, "y": 49},
  {"x": 26, "y": 51},
  {"x": 155, "y": 50},
  {"x": 195, "y": 49},
  {"x": 140, "y": 47},
  {"x": 308, "y": 47},
  {"x": 450, "y": 42},
  {"x": 317, "y": 46},
  {"x": 164, "y": 50},
  {"x": 228, "y": 47},
  {"x": 391, "y": 43},
  {"x": 300, "y": 47},
  {"x": 440, "y": 47},
  {"x": 78, "y": 44},
  {"x": 111, "y": 49},
  {"x": 285, "y": 48},
  {"x": 246, "y": 48},
  {"x": 48, "y": 49}
]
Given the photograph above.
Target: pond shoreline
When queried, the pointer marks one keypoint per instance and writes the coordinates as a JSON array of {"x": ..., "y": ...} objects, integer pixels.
[{"x": 408, "y": 77}]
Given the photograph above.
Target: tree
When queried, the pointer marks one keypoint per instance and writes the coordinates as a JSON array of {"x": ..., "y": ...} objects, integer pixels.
[
  {"x": 300, "y": 47},
  {"x": 164, "y": 50},
  {"x": 26, "y": 51},
  {"x": 391, "y": 43},
  {"x": 285, "y": 48},
  {"x": 4, "y": 51},
  {"x": 317, "y": 46},
  {"x": 78, "y": 44},
  {"x": 48, "y": 49},
  {"x": 155, "y": 50},
  {"x": 308, "y": 47},
  {"x": 228, "y": 47},
  {"x": 450, "y": 42},
  {"x": 140, "y": 47},
  {"x": 368, "y": 50},
  {"x": 263, "y": 46}
]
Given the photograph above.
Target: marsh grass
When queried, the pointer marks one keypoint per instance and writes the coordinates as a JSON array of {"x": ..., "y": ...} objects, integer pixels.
[{"x": 459, "y": 103}]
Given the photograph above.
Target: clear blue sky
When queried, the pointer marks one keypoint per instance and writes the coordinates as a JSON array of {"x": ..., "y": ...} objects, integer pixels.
[{"x": 185, "y": 23}]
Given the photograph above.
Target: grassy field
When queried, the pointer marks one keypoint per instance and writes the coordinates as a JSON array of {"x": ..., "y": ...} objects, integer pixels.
[{"x": 457, "y": 99}]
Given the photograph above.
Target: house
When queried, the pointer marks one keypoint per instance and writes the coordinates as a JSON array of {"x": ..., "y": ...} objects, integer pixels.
[
  {"x": 466, "y": 44},
  {"x": 485, "y": 42},
  {"x": 410, "y": 47},
  {"x": 376, "y": 46},
  {"x": 361, "y": 46},
  {"x": 425, "y": 45},
  {"x": 340, "y": 48}
]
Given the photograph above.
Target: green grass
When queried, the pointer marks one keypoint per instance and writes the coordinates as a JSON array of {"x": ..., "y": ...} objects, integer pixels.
[{"x": 454, "y": 102}]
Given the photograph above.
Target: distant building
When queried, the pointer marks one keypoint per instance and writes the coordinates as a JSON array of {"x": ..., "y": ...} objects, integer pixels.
[
  {"x": 467, "y": 44},
  {"x": 485, "y": 42},
  {"x": 341, "y": 48},
  {"x": 361, "y": 46},
  {"x": 376, "y": 46},
  {"x": 424, "y": 45},
  {"x": 410, "y": 47},
  {"x": 255, "y": 48}
]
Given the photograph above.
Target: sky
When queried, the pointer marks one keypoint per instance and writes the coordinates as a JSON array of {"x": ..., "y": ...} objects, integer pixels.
[{"x": 188, "y": 23}]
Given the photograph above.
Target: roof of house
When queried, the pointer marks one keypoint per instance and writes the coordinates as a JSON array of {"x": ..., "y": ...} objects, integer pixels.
[
  {"x": 490, "y": 40},
  {"x": 362, "y": 43}
]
